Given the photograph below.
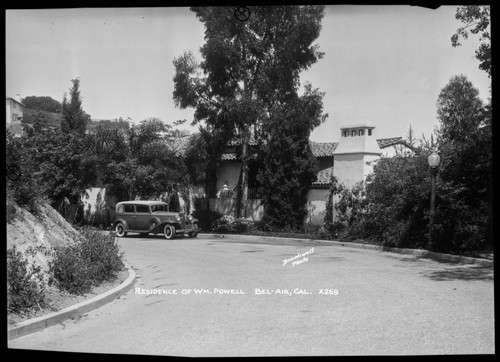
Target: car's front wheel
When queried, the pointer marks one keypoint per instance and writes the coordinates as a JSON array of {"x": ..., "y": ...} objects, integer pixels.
[
  {"x": 120, "y": 230},
  {"x": 169, "y": 231}
]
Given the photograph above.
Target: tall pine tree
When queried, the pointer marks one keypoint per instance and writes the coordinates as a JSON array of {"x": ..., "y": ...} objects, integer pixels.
[{"x": 74, "y": 118}]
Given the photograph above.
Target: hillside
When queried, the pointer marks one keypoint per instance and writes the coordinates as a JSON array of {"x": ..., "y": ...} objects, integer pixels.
[{"x": 48, "y": 230}]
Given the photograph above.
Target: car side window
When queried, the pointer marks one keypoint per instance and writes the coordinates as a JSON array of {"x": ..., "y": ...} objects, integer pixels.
[
  {"x": 129, "y": 208},
  {"x": 155, "y": 208},
  {"x": 120, "y": 209},
  {"x": 142, "y": 208}
]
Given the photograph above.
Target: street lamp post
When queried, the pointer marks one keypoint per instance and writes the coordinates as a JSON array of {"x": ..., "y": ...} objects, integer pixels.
[{"x": 433, "y": 161}]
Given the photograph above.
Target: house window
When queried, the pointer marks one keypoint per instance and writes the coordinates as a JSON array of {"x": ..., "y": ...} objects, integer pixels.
[
  {"x": 361, "y": 132},
  {"x": 369, "y": 132},
  {"x": 346, "y": 133},
  {"x": 353, "y": 132}
]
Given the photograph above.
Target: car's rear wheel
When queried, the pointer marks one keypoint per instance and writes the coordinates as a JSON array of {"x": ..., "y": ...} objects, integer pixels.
[
  {"x": 169, "y": 231},
  {"x": 120, "y": 230},
  {"x": 193, "y": 234}
]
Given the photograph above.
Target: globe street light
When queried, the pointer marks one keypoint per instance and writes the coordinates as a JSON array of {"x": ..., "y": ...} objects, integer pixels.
[{"x": 434, "y": 161}]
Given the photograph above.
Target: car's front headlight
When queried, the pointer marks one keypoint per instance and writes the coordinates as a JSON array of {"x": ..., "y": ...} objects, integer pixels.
[
  {"x": 190, "y": 218},
  {"x": 178, "y": 217}
]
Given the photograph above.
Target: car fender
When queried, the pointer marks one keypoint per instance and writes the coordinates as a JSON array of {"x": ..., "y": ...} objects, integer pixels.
[
  {"x": 157, "y": 221},
  {"x": 124, "y": 222},
  {"x": 169, "y": 222}
]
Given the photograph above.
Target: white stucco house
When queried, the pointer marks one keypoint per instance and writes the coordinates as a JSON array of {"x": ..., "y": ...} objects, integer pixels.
[{"x": 350, "y": 160}]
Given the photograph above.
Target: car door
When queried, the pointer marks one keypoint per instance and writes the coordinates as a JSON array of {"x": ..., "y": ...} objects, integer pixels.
[
  {"x": 143, "y": 216},
  {"x": 129, "y": 215}
]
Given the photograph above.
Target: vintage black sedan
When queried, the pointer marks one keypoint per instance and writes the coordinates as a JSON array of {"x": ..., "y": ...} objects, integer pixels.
[{"x": 152, "y": 217}]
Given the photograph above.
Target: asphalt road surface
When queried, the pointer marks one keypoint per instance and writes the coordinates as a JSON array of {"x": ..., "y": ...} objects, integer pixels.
[{"x": 328, "y": 300}]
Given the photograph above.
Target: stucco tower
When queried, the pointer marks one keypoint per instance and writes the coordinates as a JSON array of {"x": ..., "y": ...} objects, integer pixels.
[{"x": 355, "y": 153}]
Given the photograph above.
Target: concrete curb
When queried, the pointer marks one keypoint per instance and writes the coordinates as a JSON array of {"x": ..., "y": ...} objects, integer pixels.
[
  {"x": 419, "y": 253},
  {"x": 39, "y": 323}
]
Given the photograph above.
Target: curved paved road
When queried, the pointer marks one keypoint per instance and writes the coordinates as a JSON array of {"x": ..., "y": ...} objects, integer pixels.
[{"x": 386, "y": 304}]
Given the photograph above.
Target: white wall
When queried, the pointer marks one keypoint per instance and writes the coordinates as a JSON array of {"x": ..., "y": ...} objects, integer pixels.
[
  {"x": 316, "y": 204},
  {"x": 370, "y": 161},
  {"x": 349, "y": 168}
]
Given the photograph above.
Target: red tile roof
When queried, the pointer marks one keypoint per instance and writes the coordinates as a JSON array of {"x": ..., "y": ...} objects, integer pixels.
[
  {"x": 324, "y": 177},
  {"x": 323, "y": 149},
  {"x": 387, "y": 142}
]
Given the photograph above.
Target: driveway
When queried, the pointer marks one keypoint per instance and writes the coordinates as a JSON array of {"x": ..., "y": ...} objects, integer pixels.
[{"x": 228, "y": 297}]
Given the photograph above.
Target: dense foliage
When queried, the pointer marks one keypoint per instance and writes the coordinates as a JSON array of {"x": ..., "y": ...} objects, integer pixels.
[
  {"x": 248, "y": 68},
  {"x": 465, "y": 145},
  {"x": 392, "y": 209},
  {"x": 94, "y": 259},
  {"x": 476, "y": 20},
  {"x": 26, "y": 286},
  {"x": 288, "y": 165},
  {"x": 23, "y": 187},
  {"x": 43, "y": 103}
]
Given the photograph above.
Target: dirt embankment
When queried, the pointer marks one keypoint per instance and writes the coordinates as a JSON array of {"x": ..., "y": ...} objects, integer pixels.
[{"x": 47, "y": 230}]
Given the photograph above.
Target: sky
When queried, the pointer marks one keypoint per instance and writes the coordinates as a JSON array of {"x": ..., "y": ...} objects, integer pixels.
[{"x": 385, "y": 64}]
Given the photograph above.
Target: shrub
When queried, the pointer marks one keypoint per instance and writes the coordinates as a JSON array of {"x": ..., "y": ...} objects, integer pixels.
[
  {"x": 25, "y": 283},
  {"x": 102, "y": 252},
  {"x": 206, "y": 218},
  {"x": 69, "y": 271},
  {"x": 94, "y": 259},
  {"x": 230, "y": 224}
]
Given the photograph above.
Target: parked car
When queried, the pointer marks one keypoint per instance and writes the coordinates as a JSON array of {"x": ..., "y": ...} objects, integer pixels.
[{"x": 152, "y": 217}]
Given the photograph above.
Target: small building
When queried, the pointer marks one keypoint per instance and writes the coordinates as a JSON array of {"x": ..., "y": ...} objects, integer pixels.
[{"x": 15, "y": 110}]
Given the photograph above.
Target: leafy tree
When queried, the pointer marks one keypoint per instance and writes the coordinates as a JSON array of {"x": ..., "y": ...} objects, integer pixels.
[
  {"x": 35, "y": 123},
  {"x": 140, "y": 162},
  {"x": 465, "y": 146},
  {"x": 476, "y": 20},
  {"x": 249, "y": 66},
  {"x": 74, "y": 118},
  {"x": 397, "y": 203},
  {"x": 23, "y": 185},
  {"x": 289, "y": 166},
  {"x": 43, "y": 103},
  {"x": 60, "y": 166},
  {"x": 464, "y": 138}
]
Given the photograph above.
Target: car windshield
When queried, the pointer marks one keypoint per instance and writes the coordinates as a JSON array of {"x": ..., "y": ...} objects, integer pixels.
[{"x": 156, "y": 208}]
